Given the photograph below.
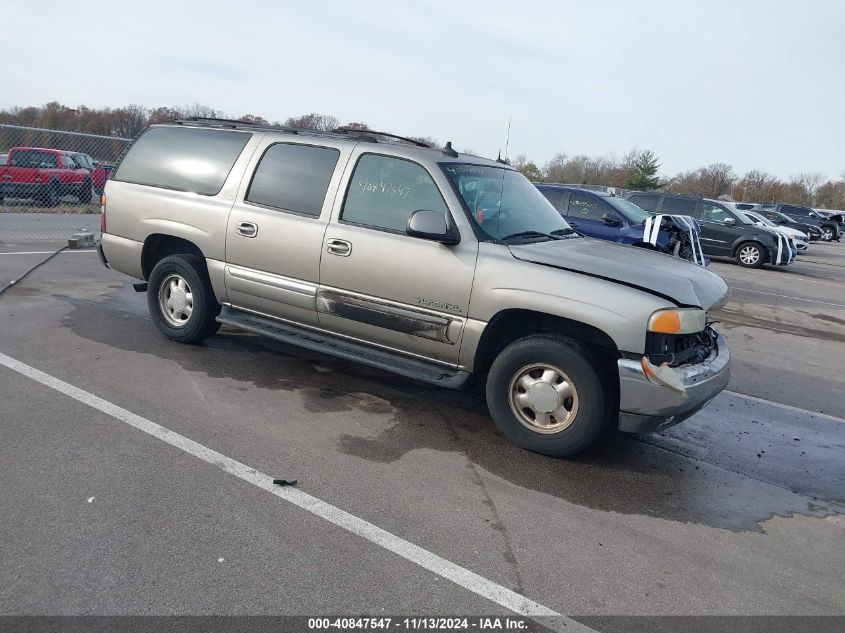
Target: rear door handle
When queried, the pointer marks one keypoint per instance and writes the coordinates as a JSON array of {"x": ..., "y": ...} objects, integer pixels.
[
  {"x": 247, "y": 229},
  {"x": 338, "y": 247}
]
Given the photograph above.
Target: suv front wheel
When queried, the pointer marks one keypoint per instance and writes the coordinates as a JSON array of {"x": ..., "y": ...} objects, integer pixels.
[
  {"x": 545, "y": 395},
  {"x": 181, "y": 300}
]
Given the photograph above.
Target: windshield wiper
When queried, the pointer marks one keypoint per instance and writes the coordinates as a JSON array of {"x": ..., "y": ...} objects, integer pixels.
[
  {"x": 566, "y": 231},
  {"x": 514, "y": 236}
]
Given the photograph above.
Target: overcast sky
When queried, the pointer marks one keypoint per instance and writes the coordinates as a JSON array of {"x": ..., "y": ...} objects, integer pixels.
[{"x": 755, "y": 84}]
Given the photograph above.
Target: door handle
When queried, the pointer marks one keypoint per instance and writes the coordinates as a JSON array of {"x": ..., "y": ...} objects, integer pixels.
[
  {"x": 247, "y": 229},
  {"x": 338, "y": 247}
]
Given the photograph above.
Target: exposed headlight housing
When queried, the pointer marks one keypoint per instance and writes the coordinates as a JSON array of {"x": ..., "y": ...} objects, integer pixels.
[{"x": 678, "y": 321}]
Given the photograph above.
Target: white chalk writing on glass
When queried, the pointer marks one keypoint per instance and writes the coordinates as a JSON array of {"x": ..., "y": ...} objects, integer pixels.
[
  {"x": 465, "y": 169},
  {"x": 387, "y": 188}
]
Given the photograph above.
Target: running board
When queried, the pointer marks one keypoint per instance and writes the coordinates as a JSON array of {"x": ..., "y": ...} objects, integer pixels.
[{"x": 348, "y": 350}]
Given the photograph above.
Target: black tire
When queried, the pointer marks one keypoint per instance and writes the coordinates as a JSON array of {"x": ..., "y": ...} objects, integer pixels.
[
  {"x": 592, "y": 398},
  {"x": 83, "y": 190},
  {"x": 200, "y": 324},
  {"x": 50, "y": 197},
  {"x": 827, "y": 234},
  {"x": 744, "y": 255}
]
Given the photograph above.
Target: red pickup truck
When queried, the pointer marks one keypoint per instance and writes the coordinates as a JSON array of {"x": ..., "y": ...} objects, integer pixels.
[{"x": 44, "y": 175}]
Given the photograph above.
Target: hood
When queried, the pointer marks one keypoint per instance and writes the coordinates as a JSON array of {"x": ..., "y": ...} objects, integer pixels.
[
  {"x": 678, "y": 280},
  {"x": 790, "y": 231}
]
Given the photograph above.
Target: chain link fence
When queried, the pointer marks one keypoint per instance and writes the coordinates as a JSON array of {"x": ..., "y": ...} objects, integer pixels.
[{"x": 51, "y": 181}]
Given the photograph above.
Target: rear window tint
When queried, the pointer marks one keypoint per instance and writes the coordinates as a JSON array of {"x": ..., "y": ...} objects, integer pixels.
[
  {"x": 185, "y": 159},
  {"x": 649, "y": 203},
  {"x": 293, "y": 178},
  {"x": 678, "y": 206}
]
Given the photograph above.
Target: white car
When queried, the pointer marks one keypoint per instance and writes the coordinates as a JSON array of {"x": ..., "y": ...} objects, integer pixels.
[{"x": 802, "y": 240}]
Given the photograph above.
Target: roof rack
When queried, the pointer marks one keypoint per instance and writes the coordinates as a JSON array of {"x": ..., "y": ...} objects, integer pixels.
[
  {"x": 369, "y": 133},
  {"x": 342, "y": 132}
]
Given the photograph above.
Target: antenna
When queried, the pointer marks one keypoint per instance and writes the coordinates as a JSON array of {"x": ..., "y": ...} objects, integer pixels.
[{"x": 508, "y": 139}]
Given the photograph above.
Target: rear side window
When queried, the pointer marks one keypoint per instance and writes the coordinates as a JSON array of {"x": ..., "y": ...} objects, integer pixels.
[
  {"x": 554, "y": 196},
  {"x": 293, "y": 178},
  {"x": 385, "y": 191},
  {"x": 649, "y": 203},
  {"x": 678, "y": 206},
  {"x": 34, "y": 158},
  {"x": 181, "y": 158}
]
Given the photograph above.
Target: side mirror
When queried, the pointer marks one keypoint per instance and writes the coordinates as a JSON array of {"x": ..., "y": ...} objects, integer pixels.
[
  {"x": 730, "y": 221},
  {"x": 431, "y": 225},
  {"x": 96, "y": 163},
  {"x": 611, "y": 220}
]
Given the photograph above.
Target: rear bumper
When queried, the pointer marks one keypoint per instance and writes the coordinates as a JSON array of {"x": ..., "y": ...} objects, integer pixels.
[{"x": 646, "y": 406}]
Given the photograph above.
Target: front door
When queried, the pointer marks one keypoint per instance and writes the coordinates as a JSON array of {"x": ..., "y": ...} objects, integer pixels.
[
  {"x": 381, "y": 286},
  {"x": 587, "y": 214},
  {"x": 275, "y": 233},
  {"x": 717, "y": 238}
]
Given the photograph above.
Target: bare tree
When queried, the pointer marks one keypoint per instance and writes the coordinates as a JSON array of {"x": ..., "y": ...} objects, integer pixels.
[
  {"x": 711, "y": 181},
  {"x": 130, "y": 121},
  {"x": 809, "y": 183},
  {"x": 313, "y": 121}
]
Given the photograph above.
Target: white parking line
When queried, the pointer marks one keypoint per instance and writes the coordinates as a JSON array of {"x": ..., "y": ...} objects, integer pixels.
[
  {"x": 781, "y": 276},
  {"x": 81, "y": 250},
  {"x": 774, "y": 294},
  {"x": 427, "y": 560},
  {"x": 786, "y": 407}
]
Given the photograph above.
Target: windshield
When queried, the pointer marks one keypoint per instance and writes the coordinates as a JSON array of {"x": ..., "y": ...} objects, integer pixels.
[
  {"x": 759, "y": 218},
  {"x": 504, "y": 203},
  {"x": 631, "y": 211}
]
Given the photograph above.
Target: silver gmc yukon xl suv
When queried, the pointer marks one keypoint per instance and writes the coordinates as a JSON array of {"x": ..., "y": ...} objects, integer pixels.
[{"x": 421, "y": 261}]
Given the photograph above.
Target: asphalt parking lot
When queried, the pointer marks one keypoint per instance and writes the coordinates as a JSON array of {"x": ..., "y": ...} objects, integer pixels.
[{"x": 737, "y": 511}]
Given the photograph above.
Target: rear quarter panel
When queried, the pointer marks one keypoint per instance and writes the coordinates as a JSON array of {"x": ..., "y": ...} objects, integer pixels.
[{"x": 134, "y": 212}]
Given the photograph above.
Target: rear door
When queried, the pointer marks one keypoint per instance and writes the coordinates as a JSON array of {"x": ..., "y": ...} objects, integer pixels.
[
  {"x": 558, "y": 199},
  {"x": 275, "y": 231},
  {"x": 378, "y": 284}
]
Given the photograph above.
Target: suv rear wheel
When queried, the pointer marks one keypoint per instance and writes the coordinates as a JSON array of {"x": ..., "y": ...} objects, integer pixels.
[
  {"x": 545, "y": 395},
  {"x": 750, "y": 255},
  {"x": 827, "y": 233},
  {"x": 181, "y": 300}
]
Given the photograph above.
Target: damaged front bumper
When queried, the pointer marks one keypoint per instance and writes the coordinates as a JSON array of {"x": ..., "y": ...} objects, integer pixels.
[{"x": 670, "y": 395}]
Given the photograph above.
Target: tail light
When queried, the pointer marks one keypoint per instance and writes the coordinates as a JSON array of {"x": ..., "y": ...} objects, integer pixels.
[{"x": 103, "y": 213}]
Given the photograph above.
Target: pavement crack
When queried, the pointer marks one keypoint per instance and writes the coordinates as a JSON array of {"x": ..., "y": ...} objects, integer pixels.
[{"x": 498, "y": 523}]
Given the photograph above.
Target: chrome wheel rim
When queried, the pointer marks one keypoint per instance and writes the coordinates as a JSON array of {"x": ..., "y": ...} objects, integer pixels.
[
  {"x": 175, "y": 300},
  {"x": 827, "y": 234},
  {"x": 749, "y": 255},
  {"x": 543, "y": 398}
]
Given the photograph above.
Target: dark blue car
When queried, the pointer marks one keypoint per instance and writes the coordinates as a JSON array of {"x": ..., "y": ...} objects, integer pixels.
[{"x": 608, "y": 217}]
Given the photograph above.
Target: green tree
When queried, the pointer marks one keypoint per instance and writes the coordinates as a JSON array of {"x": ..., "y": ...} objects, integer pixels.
[
  {"x": 528, "y": 168},
  {"x": 644, "y": 176}
]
